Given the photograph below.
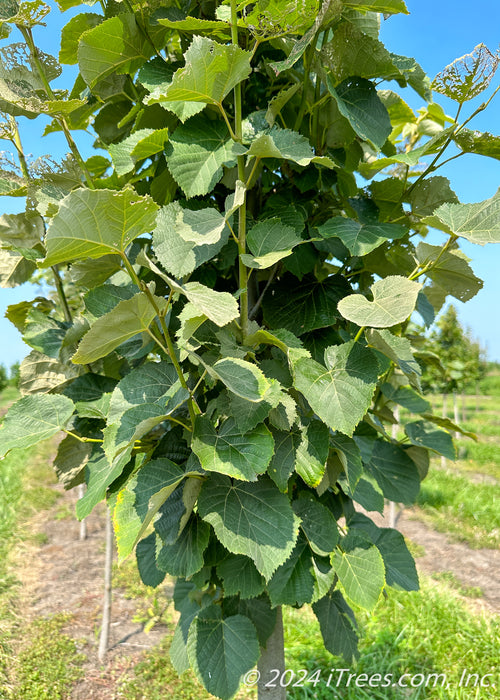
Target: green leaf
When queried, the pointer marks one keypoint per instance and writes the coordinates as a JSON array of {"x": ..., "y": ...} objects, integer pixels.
[
  {"x": 139, "y": 501},
  {"x": 229, "y": 645},
  {"x": 101, "y": 300},
  {"x": 72, "y": 32},
  {"x": 33, "y": 419},
  {"x": 450, "y": 270},
  {"x": 449, "y": 425},
  {"x": 228, "y": 451},
  {"x": 359, "y": 103},
  {"x": 285, "y": 452},
  {"x": 14, "y": 268},
  {"x": 394, "y": 299},
  {"x": 330, "y": 10},
  {"x": 406, "y": 397},
  {"x": 115, "y": 46},
  {"x": 468, "y": 75},
  {"x": 350, "y": 456},
  {"x": 240, "y": 577},
  {"x": 305, "y": 307},
  {"x": 196, "y": 153},
  {"x": 219, "y": 307},
  {"x": 360, "y": 239},
  {"x": 386, "y": 6},
  {"x": 293, "y": 582},
  {"x": 176, "y": 511},
  {"x": 150, "y": 574},
  {"x": 423, "y": 434},
  {"x": 286, "y": 144},
  {"x": 312, "y": 453},
  {"x": 185, "y": 556},
  {"x": 251, "y": 519},
  {"x": 269, "y": 241},
  {"x": 184, "y": 239},
  {"x": 400, "y": 571},
  {"x": 156, "y": 76},
  {"x": 318, "y": 525},
  {"x": 69, "y": 464},
  {"x": 338, "y": 626},
  {"x": 341, "y": 392},
  {"x": 42, "y": 374},
  {"x": 242, "y": 378},
  {"x": 136, "y": 147},
  {"x": 127, "y": 319},
  {"x": 99, "y": 475},
  {"x": 248, "y": 414},
  {"x": 361, "y": 573},
  {"x": 398, "y": 350},
  {"x": 93, "y": 223},
  {"x": 210, "y": 72},
  {"x": 482, "y": 143},
  {"x": 199, "y": 26},
  {"x": 153, "y": 382},
  {"x": 429, "y": 194},
  {"x": 395, "y": 472},
  {"x": 478, "y": 223}
]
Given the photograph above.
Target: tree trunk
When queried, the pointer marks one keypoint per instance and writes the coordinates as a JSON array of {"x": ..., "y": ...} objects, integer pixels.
[
  {"x": 271, "y": 661},
  {"x": 106, "y": 608},
  {"x": 464, "y": 408},
  {"x": 83, "y": 523},
  {"x": 456, "y": 416},
  {"x": 477, "y": 397},
  {"x": 393, "y": 516},
  {"x": 445, "y": 397}
]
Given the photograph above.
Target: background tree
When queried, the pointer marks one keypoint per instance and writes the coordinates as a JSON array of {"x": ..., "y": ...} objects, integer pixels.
[{"x": 239, "y": 331}]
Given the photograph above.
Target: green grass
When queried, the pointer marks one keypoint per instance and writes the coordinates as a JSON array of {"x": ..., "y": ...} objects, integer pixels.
[
  {"x": 451, "y": 580},
  {"x": 49, "y": 663},
  {"x": 468, "y": 512},
  {"x": 8, "y": 395}
]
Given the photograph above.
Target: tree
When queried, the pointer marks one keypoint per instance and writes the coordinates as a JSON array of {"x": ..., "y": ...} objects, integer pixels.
[
  {"x": 232, "y": 323},
  {"x": 3, "y": 378}
]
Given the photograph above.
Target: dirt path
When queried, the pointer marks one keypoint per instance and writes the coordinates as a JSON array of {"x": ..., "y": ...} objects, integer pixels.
[
  {"x": 66, "y": 575},
  {"x": 472, "y": 567}
]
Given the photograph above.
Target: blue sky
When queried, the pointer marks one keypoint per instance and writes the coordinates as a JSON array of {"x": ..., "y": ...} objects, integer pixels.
[{"x": 435, "y": 33}]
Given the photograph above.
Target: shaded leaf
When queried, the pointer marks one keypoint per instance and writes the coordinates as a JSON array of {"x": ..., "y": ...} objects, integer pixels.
[
  {"x": 127, "y": 319},
  {"x": 360, "y": 238},
  {"x": 229, "y": 645},
  {"x": 338, "y": 626},
  {"x": 359, "y": 103},
  {"x": 423, "y": 434},
  {"x": 251, "y": 519}
]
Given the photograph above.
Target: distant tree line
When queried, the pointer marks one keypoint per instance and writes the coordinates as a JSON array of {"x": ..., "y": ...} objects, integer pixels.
[{"x": 9, "y": 377}]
